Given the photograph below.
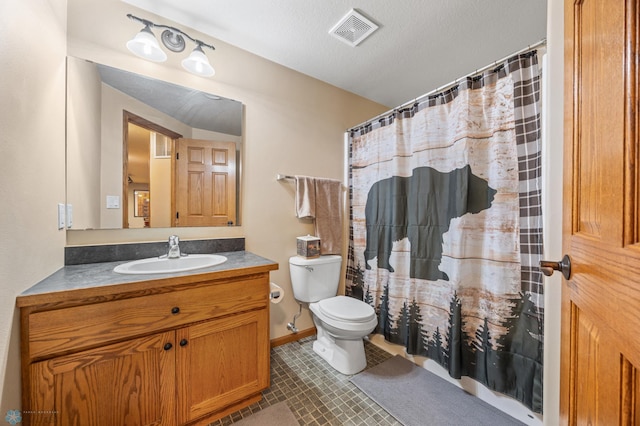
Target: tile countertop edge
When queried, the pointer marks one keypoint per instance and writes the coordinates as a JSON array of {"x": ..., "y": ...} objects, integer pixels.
[{"x": 98, "y": 282}]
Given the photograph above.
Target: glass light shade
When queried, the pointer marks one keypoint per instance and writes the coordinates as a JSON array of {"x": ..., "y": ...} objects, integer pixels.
[
  {"x": 145, "y": 45},
  {"x": 198, "y": 64}
]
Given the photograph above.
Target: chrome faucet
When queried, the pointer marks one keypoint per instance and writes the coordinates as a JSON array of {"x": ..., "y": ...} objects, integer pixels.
[{"x": 174, "y": 247}]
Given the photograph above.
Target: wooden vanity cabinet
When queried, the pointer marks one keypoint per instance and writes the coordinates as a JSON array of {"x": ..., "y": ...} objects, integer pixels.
[{"x": 180, "y": 353}]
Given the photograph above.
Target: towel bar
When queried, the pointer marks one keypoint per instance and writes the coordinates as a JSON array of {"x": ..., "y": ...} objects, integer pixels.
[{"x": 283, "y": 177}]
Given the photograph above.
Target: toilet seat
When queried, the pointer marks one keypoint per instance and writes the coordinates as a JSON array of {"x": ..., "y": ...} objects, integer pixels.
[{"x": 343, "y": 308}]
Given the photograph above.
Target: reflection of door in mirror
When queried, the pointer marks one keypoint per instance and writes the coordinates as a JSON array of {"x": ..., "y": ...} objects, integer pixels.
[
  {"x": 205, "y": 183},
  {"x": 147, "y": 167}
]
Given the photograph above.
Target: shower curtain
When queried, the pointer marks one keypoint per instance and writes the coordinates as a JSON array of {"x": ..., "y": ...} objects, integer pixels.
[{"x": 446, "y": 228}]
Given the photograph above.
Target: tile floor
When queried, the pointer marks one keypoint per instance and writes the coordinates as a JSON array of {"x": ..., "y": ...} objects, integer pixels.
[{"x": 315, "y": 392}]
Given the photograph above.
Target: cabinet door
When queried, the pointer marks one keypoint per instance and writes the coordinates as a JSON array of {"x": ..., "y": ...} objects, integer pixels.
[
  {"x": 128, "y": 383},
  {"x": 221, "y": 362}
]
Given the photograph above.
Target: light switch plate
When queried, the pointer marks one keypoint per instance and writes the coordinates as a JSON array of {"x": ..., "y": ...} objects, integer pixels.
[
  {"x": 113, "y": 202},
  {"x": 61, "y": 215}
]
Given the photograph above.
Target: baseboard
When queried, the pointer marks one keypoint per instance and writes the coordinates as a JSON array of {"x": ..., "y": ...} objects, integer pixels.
[{"x": 278, "y": 341}]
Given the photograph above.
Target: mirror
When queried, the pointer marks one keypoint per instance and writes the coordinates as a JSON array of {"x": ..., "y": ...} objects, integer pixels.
[{"x": 131, "y": 136}]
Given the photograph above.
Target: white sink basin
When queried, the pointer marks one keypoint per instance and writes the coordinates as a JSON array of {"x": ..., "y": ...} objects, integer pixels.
[{"x": 156, "y": 265}]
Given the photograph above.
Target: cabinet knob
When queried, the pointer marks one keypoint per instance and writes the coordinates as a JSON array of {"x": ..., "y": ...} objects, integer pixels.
[
  {"x": 184, "y": 342},
  {"x": 167, "y": 346},
  {"x": 175, "y": 310}
]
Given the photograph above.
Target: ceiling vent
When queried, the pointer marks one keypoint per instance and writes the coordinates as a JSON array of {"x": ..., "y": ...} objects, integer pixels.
[{"x": 353, "y": 28}]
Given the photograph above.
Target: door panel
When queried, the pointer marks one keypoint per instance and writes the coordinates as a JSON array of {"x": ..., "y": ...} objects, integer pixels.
[
  {"x": 596, "y": 370},
  {"x": 220, "y": 362},
  {"x": 601, "y": 300},
  {"x": 129, "y": 383}
]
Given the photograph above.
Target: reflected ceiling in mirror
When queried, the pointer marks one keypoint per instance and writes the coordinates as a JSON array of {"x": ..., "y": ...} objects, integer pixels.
[
  {"x": 125, "y": 136},
  {"x": 198, "y": 109}
]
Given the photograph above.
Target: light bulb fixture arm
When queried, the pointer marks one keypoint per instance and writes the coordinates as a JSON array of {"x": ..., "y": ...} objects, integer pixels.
[{"x": 150, "y": 24}]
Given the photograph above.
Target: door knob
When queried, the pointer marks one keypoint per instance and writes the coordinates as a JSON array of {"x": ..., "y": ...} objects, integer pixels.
[{"x": 563, "y": 266}]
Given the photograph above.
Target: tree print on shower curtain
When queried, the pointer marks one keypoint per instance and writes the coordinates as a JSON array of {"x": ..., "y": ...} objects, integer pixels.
[{"x": 446, "y": 228}]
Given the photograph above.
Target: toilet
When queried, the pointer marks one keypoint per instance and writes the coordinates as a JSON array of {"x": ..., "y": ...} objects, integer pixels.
[{"x": 342, "y": 322}]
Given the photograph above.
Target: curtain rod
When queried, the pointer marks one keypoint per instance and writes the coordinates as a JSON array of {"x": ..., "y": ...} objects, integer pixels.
[{"x": 451, "y": 84}]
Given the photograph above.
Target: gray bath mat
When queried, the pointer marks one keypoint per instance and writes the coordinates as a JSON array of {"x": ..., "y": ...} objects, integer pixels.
[
  {"x": 415, "y": 396},
  {"x": 275, "y": 415}
]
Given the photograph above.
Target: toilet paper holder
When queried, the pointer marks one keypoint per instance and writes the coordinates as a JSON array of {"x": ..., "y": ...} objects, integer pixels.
[{"x": 276, "y": 293}]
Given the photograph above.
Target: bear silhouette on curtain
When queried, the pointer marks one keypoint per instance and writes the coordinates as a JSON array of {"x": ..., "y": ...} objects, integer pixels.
[{"x": 420, "y": 207}]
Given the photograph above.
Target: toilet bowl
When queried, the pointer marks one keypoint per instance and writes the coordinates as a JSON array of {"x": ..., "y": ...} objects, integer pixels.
[{"x": 341, "y": 322}]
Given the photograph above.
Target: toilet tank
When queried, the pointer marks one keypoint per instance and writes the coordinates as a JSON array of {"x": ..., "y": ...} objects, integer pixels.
[{"x": 315, "y": 279}]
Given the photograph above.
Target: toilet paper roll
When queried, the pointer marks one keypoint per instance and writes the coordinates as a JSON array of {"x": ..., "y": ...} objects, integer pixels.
[{"x": 276, "y": 293}]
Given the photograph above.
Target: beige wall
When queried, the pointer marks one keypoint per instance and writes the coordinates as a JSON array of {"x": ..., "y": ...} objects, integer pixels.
[
  {"x": 160, "y": 190},
  {"x": 32, "y": 67},
  {"x": 83, "y": 143}
]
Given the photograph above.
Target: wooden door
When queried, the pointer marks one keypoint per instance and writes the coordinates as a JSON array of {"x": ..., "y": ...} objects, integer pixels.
[
  {"x": 128, "y": 383},
  {"x": 205, "y": 183},
  {"x": 221, "y": 362},
  {"x": 600, "y": 382}
]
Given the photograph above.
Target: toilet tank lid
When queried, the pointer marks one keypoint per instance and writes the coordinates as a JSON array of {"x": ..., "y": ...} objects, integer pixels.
[{"x": 305, "y": 261}]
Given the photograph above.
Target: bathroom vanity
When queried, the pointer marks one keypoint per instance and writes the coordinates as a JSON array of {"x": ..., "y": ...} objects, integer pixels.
[{"x": 109, "y": 349}]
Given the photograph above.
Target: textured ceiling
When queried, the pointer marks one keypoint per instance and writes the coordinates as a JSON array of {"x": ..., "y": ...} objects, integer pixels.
[{"x": 420, "y": 45}]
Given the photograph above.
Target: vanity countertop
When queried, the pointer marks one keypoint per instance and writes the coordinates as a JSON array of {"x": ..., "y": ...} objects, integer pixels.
[{"x": 98, "y": 280}]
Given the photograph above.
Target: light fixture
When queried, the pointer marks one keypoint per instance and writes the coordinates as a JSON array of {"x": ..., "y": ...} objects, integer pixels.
[
  {"x": 197, "y": 63},
  {"x": 145, "y": 45}
]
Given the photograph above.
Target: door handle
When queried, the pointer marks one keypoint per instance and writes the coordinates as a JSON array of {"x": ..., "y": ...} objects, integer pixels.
[{"x": 564, "y": 266}]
